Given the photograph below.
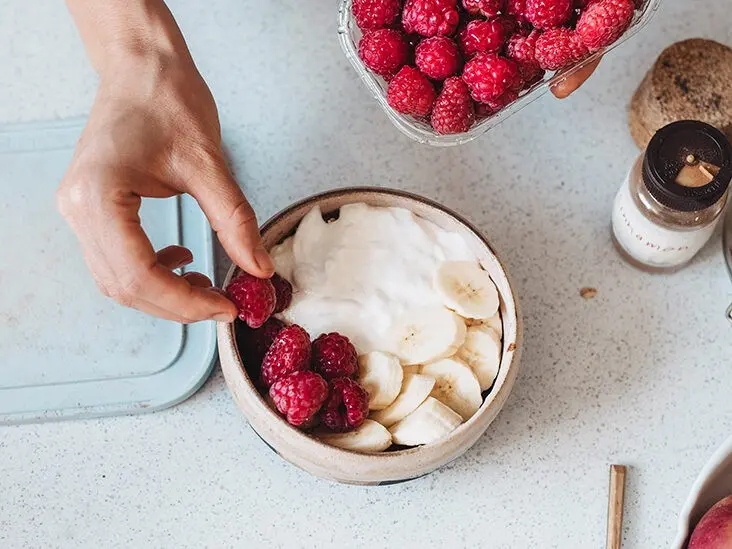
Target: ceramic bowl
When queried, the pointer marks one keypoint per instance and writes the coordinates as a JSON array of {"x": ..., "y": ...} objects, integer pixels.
[
  {"x": 388, "y": 467},
  {"x": 713, "y": 484}
]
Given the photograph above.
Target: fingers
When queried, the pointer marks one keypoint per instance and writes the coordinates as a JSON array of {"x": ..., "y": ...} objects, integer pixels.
[
  {"x": 566, "y": 87},
  {"x": 126, "y": 267},
  {"x": 230, "y": 215},
  {"x": 174, "y": 257},
  {"x": 198, "y": 280}
]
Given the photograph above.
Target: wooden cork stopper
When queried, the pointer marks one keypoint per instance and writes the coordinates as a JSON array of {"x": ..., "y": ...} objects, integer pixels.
[{"x": 690, "y": 80}]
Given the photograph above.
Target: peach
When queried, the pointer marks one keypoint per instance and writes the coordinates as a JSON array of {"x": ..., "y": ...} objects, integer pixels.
[{"x": 714, "y": 530}]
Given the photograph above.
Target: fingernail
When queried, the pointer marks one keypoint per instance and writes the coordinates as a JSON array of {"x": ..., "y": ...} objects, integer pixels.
[
  {"x": 223, "y": 317},
  {"x": 264, "y": 262}
]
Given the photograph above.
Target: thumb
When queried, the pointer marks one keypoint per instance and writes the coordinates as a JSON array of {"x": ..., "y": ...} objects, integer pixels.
[{"x": 230, "y": 215}]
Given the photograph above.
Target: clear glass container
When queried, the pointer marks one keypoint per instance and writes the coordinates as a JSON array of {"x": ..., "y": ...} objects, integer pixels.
[
  {"x": 349, "y": 35},
  {"x": 673, "y": 197},
  {"x": 698, "y": 224}
]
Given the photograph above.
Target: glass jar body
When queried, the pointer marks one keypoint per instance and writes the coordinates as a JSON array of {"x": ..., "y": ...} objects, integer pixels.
[{"x": 653, "y": 236}]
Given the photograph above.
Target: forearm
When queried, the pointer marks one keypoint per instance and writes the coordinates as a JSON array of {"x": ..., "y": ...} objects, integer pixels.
[{"x": 117, "y": 33}]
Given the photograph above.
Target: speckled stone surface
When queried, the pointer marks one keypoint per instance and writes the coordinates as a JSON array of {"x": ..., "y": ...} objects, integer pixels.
[{"x": 638, "y": 375}]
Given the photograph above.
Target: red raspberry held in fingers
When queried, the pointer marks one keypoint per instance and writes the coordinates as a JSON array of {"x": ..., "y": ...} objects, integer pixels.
[
  {"x": 430, "y": 17},
  {"x": 438, "y": 57},
  {"x": 290, "y": 352},
  {"x": 482, "y": 36},
  {"x": 604, "y": 21},
  {"x": 375, "y": 14},
  {"x": 454, "y": 111},
  {"x": 489, "y": 76},
  {"x": 334, "y": 356},
  {"x": 487, "y": 8},
  {"x": 411, "y": 92},
  {"x": 547, "y": 14},
  {"x": 347, "y": 406},
  {"x": 384, "y": 51},
  {"x": 559, "y": 48},
  {"x": 283, "y": 292},
  {"x": 299, "y": 396},
  {"x": 254, "y": 298}
]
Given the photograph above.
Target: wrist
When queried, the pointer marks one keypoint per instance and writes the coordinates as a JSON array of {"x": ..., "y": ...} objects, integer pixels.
[{"x": 130, "y": 35}]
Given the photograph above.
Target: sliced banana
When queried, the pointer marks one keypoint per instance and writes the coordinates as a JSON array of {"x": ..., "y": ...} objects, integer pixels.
[
  {"x": 427, "y": 334},
  {"x": 369, "y": 437},
  {"x": 431, "y": 421},
  {"x": 415, "y": 389},
  {"x": 411, "y": 369},
  {"x": 482, "y": 352},
  {"x": 381, "y": 375},
  {"x": 466, "y": 289},
  {"x": 455, "y": 385},
  {"x": 494, "y": 322}
]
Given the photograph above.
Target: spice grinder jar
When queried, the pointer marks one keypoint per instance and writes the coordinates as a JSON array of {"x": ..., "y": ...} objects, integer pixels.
[{"x": 673, "y": 197}]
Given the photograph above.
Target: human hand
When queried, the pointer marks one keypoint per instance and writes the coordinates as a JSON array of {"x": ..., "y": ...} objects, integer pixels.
[
  {"x": 154, "y": 132},
  {"x": 569, "y": 85}
]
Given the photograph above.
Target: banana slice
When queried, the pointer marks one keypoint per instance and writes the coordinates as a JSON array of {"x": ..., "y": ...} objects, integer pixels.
[
  {"x": 369, "y": 437},
  {"x": 466, "y": 289},
  {"x": 415, "y": 389},
  {"x": 428, "y": 423},
  {"x": 411, "y": 369},
  {"x": 427, "y": 334},
  {"x": 455, "y": 385},
  {"x": 482, "y": 352},
  {"x": 493, "y": 322},
  {"x": 381, "y": 375}
]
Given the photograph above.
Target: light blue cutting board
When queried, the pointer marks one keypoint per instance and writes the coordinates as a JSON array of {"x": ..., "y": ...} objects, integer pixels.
[{"x": 65, "y": 350}]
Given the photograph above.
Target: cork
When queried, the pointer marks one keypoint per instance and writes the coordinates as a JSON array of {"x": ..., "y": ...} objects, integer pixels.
[{"x": 690, "y": 80}]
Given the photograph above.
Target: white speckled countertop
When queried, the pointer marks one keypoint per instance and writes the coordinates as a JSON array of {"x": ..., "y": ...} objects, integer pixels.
[{"x": 638, "y": 375}]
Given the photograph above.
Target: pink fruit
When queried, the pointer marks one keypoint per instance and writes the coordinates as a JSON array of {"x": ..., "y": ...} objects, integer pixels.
[{"x": 714, "y": 530}]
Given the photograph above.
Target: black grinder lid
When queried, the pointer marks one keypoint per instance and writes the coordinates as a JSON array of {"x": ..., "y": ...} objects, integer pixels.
[{"x": 666, "y": 156}]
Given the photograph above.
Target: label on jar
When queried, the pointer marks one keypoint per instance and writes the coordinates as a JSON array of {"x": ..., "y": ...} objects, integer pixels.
[{"x": 649, "y": 243}]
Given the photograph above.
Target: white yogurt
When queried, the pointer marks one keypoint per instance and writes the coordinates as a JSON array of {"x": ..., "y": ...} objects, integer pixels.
[{"x": 357, "y": 274}]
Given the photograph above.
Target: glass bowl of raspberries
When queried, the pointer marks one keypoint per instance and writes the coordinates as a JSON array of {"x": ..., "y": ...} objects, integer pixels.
[
  {"x": 447, "y": 71},
  {"x": 312, "y": 398}
]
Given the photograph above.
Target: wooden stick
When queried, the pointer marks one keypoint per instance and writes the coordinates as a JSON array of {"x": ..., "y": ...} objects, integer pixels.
[{"x": 615, "y": 503}]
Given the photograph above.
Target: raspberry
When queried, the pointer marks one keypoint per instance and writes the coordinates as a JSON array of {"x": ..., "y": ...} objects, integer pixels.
[
  {"x": 438, "y": 57},
  {"x": 489, "y": 76},
  {"x": 283, "y": 292},
  {"x": 517, "y": 9},
  {"x": 486, "y": 8},
  {"x": 509, "y": 23},
  {"x": 384, "y": 51},
  {"x": 299, "y": 396},
  {"x": 522, "y": 50},
  {"x": 547, "y": 14},
  {"x": 558, "y": 48},
  {"x": 334, "y": 356},
  {"x": 604, "y": 21},
  {"x": 254, "y": 344},
  {"x": 492, "y": 107},
  {"x": 430, "y": 17},
  {"x": 411, "y": 92},
  {"x": 482, "y": 36},
  {"x": 347, "y": 405},
  {"x": 375, "y": 14},
  {"x": 454, "y": 111},
  {"x": 290, "y": 352},
  {"x": 254, "y": 298}
]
